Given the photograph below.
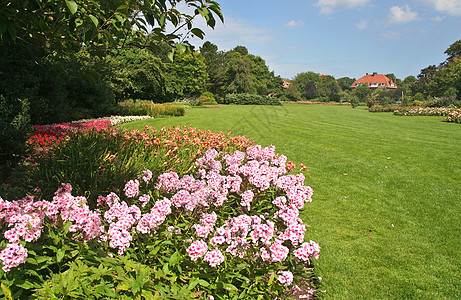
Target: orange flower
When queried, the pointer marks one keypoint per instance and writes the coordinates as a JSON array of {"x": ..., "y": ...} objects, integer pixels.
[
  {"x": 290, "y": 166},
  {"x": 303, "y": 167}
]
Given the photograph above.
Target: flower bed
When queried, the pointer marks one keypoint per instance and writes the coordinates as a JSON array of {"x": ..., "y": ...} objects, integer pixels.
[
  {"x": 322, "y": 103},
  {"x": 45, "y": 136},
  {"x": 229, "y": 228},
  {"x": 454, "y": 116},
  {"x": 97, "y": 162},
  {"x": 424, "y": 111},
  {"x": 384, "y": 108}
]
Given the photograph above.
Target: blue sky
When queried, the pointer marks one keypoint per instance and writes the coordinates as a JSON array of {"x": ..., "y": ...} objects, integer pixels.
[{"x": 340, "y": 37}]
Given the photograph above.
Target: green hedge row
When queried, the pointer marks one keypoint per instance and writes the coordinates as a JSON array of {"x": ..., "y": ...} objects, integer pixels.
[{"x": 251, "y": 99}]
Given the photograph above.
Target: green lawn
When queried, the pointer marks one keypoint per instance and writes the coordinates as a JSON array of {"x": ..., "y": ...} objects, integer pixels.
[{"x": 387, "y": 193}]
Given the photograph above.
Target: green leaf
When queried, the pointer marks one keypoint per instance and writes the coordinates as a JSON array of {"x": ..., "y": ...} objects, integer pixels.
[
  {"x": 94, "y": 20},
  {"x": 175, "y": 258},
  {"x": 6, "y": 292},
  {"x": 198, "y": 33},
  {"x": 72, "y": 6},
  {"x": 171, "y": 55},
  {"x": 60, "y": 255}
]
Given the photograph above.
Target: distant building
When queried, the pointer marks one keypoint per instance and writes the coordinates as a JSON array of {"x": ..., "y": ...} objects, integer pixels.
[
  {"x": 374, "y": 81},
  {"x": 286, "y": 84}
]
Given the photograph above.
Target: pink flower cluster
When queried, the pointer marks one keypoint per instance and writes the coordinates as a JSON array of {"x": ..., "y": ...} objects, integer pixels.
[
  {"x": 246, "y": 175},
  {"x": 285, "y": 277},
  {"x": 242, "y": 176},
  {"x": 12, "y": 256}
]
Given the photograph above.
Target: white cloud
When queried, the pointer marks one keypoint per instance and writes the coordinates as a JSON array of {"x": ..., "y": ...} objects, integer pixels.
[
  {"x": 402, "y": 14},
  {"x": 294, "y": 24},
  {"x": 437, "y": 19},
  {"x": 327, "y": 6},
  {"x": 362, "y": 24},
  {"x": 451, "y": 7}
]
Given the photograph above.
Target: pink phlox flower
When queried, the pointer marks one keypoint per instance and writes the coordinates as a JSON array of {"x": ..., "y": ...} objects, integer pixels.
[
  {"x": 262, "y": 232},
  {"x": 156, "y": 217},
  {"x": 234, "y": 161},
  {"x": 132, "y": 188},
  {"x": 12, "y": 256},
  {"x": 294, "y": 233},
  {"x": 278, "y": 251},
  {"x": 289, "y": 214},
  {"x": 182, "y": 198},
  {"x": 144, "y": 199},
  {"x": 197, "y": 249},
  {"x": 214, "y": 257},
  {"x": 209, "y": 219},
  {"x": 208, "y": 161},
  {"x": 261, "y": 154},
  {"x": 167, "y": 182},
  {"x": 233, "y": 183},
  {"x": 247, "y": 198},
  {"x": 280, "y": 201},
  {"x": 146, "y": 176},
  {"x": 307, "y": 250},
  {"x": 285, "y": 277}
]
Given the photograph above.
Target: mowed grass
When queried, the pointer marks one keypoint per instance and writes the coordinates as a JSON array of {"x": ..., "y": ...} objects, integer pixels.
[{"x": 387, "y": 193}]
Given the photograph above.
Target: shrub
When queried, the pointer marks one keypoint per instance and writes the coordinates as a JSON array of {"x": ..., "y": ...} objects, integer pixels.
[
  {"x": 230, "y": 231},
  {"x": 15, "y": 126},
  {"x": 251, "y": 99},
  {"x": 354, "y": 100},
  {"x": 149, "y": 109},
  {"x": 444, "y": 102}
]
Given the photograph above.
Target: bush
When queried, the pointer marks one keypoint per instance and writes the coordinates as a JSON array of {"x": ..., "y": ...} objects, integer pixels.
[
  {"x": 354, "y": 100},
  {"x": 251, "y": 99},
  {"x": 15, "y": 126},
  {"x": 149, "y": 109}
]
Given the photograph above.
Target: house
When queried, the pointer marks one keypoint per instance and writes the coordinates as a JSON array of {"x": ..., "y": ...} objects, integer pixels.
[
  {"x": 286, "y": 84},
  {"x": 374, "y": 81}
]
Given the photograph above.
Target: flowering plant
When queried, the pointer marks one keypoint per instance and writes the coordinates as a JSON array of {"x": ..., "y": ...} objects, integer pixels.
[{"x": 231, "y": 229}]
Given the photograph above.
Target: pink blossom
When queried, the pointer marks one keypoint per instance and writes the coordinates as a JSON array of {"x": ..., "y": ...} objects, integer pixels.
[
  {"x": 12, "y": 256},
  {"x": 197, "y": 249},
  {"x": 214, "y": 257},
  {"x": 307, "y": 250},
  {"x": 146, "y": 176},
  {"x": 132, "y": 188},
  {"x": 247, "y": 198},
  {"x": 285, "y": 277},
  {"x": 144, "y": 199}
]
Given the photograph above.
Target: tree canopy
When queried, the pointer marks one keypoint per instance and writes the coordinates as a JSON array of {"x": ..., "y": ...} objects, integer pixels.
[{"x": 71, "y": 24}]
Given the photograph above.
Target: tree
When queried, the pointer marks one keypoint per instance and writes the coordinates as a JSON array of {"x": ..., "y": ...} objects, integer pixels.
[
  {"x": 306, "y": 83},
  {"x": 138, "y": 74},
  {"x": 239, "y": 78},
  {"x": 189, "y": 71},
  {"x": 454, "y": 50},
  {"x": 215, "y": 66},
  {"x": 362, "y": 92},
  {"x": 68, "y": 25},
  {"x": 345, "y": 83}
]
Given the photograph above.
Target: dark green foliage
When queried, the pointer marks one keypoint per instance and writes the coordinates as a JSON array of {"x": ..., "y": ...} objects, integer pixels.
[
  {"x": 14, "y": 129},
  {"x": 59, "y": 89},
  {"x": 250, "y": 99},
  {"x": 65, "y": 26},
  {"x": 138, "y": 74},
  {"x": 149, "y": 109},
  {"x": 188, "y": 71}
]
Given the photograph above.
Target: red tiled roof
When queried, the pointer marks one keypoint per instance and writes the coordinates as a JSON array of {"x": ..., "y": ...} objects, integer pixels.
[{"x": 375, "y": 80}]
